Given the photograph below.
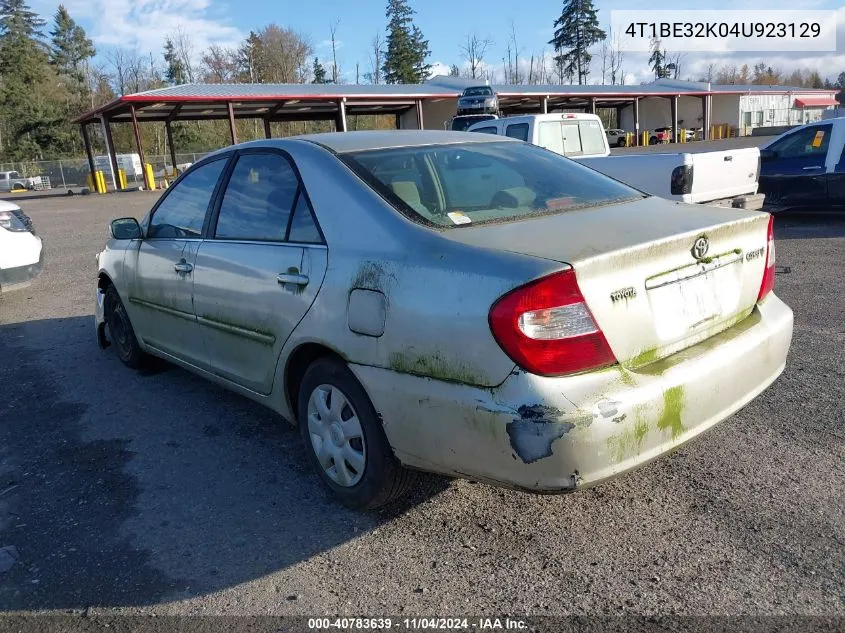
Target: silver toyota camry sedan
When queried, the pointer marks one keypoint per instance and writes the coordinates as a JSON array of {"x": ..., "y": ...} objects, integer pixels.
[{"x": 457, "y": 303}]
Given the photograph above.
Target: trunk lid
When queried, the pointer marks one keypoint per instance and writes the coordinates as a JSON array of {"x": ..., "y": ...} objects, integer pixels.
[{"x": 650, "y": 295}]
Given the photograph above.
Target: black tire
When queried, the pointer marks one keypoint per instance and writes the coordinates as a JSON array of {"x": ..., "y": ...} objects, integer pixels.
[
  {"x": 621, "y": 143},
  {"x": 652, "y": 140},
  {"x": 120, "y": 331},
  {"x": 384, "y": 479}
]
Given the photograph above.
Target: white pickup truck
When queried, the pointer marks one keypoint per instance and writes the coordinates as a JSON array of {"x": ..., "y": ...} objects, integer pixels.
[
  {"x": 13, "y": 181},
  {"x": 805, "y": 167},
  {"x": 725, "y": 178}
]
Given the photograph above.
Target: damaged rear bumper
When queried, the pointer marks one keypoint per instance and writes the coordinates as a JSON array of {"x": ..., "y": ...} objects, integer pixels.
[{"x": 556, "y": 434}]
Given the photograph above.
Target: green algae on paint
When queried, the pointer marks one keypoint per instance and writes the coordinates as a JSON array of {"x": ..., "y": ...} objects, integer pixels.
[
  {"x": 434, "y": 366},
  {"x": 673, "y": 407}
]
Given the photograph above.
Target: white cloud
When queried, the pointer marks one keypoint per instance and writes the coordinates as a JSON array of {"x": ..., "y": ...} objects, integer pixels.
[
  {"x": 144, "y": 24},
  {"x": 338, "y": 44},
  {"x": 439, "y": 68}
]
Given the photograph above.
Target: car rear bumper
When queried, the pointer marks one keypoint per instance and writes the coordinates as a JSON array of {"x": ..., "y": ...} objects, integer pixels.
[
  {"x": 558, "y": 434},
  {"x": 21, "y": 276}
]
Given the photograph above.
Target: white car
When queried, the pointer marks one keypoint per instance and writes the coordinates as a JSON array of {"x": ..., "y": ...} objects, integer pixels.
[
  {"x": 616, "y": 137},
  {"x": 21, "y": 251}
]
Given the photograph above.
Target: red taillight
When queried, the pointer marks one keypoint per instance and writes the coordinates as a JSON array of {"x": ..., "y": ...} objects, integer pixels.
[
  {"x": 547, "y": 329},
  {"x": 769, "y": 274}
]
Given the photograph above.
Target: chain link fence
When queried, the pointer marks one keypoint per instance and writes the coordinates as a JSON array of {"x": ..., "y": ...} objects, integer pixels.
[{"x": 72, "y": 173}]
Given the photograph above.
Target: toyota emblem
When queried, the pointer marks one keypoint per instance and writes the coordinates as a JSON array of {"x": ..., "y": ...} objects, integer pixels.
[{"x": 700, "y": 247}]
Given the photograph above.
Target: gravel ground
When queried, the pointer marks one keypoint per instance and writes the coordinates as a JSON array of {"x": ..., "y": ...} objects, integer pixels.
[{"x": 161, "y": 493}]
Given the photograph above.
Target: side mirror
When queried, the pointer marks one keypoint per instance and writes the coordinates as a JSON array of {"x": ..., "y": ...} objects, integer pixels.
[
  {"x": 768, "y": 154},
  {"x": 126, "y": 229}
]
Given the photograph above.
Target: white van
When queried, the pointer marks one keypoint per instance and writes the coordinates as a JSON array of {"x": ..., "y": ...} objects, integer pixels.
[{"x": 571, "y": 134}]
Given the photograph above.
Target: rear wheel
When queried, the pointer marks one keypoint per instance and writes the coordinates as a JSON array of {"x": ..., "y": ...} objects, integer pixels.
[
  {"x": 345, "y": 440},
  {"x": 652, "y": 140},
  {"x": 621, "y": 142},
  {"x": 120, "y": 331}
]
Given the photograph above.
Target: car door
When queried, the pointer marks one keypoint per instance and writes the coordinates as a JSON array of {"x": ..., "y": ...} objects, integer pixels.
[
  {"x": 259, "y": 270},
  {"x": 161, "y": 290},
  {"x": 792, "y": 169}
]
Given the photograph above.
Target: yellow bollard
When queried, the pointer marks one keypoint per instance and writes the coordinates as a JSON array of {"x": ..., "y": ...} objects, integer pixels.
[
  {"x": 121, "y": 179},
  {"x": 149, "y": 177},
  {"x": 100, "y": 181},
  {"x": 682, "y": 135},
  {"x": 645, "y": 138},
  {"x": 90, "y": 179}
]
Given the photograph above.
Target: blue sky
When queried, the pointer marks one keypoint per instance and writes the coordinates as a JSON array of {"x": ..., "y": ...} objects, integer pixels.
[{"x": 143, "y": 24}]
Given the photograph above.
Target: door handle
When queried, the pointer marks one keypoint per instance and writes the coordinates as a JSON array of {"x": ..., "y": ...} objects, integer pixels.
[
  {"x": 292, "y": 278},
  {"x": 183, "y": 267},
  {"x": 812, "y": 167}
]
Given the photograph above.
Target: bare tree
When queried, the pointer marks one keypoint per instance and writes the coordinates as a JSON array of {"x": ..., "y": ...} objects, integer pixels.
[
  {"x": 472, "y": 51},
  {"x": 118, "y": 60},
  {"x": 617, "y": 54},
  {"x": 333, "y": 30},
  {"x": 219, "y": 65},
  {"x": 184, "y": 47},
  {"x": 516, "y": 78},
  {"x": 283, "y": 55},
  {"x": 376, "y": 61}
]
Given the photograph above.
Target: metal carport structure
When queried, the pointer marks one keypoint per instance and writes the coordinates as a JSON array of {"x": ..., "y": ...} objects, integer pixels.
[{"x": 268, "y": 102}]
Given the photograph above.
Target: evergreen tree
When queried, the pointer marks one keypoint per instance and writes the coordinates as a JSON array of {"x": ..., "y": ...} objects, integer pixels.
[
  {"x": 840, "y": 83},
  {"x": 22, "y": 52},
  {"x": 319, "y": 72},
  {"x": 657, "y": 60},
  {"x": 70, "y": 47},
  {"x": 407, "y": 49},
  {"x": 175, "y": 70},
  {"x": 454, "y": 71},
  {"x": 576, "y": 30}
]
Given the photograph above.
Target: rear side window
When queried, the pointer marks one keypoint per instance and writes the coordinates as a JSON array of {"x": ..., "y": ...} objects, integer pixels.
[
  {"x": 485, "y": 130},
  {"x": 592, "y": 139},
  {"x": 518, "y": 130},
  {"x": 182, "y": 211},
  {"x": 303, "y": 228},
  {"x": 259, "y": 199}
]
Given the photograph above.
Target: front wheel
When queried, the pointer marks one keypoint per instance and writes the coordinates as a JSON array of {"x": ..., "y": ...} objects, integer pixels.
[
  {"x": 621, "y": 143},
  {"x": 345, "y": 440}
]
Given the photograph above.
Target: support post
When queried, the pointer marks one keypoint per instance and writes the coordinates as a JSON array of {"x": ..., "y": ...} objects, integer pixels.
[
  {"x": 86, "y": 140},
  {"x": 592, "y": 105},
  {"x": 268, "y": 133},
  {"x": 674, "y": 106},
  {"x": 110, "y": 150},
  {"x": 232, "y": 130},
  {"x": 340, "y": 122},
  {"x": 137, "y": 130},
  {"x": 398, "y": 122},
  {"x": 637, "y": 120},
  {"x": 544, "y": 104},
  {"x": 420, "y": 123},
  {"x": 169, "y": 131}
]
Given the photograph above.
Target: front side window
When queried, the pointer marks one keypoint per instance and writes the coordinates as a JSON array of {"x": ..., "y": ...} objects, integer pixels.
[
  {"x": 485, "y": 182},
  {"x": 258, "y": 200},
  {"x": 811, "y": 141},
  {"x": 182, "y": 211},
  {"x": 485, "y": 130}
]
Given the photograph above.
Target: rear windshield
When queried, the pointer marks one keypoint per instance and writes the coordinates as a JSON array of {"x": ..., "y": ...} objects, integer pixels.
[
  {"x": 473, "y": 183},
  {"x": 478, "y": 92}
]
